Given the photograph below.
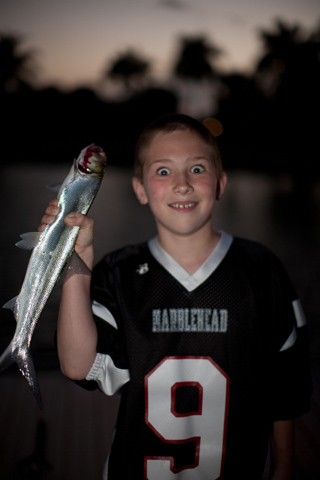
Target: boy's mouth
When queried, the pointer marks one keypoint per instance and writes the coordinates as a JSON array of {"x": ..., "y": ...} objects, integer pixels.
[{"x": 182, "y": 205}]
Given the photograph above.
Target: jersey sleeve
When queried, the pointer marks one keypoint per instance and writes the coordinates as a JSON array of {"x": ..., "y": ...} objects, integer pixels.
[
  {"x": 290, "y": 370},
  {"x": 110, "y": 368}
]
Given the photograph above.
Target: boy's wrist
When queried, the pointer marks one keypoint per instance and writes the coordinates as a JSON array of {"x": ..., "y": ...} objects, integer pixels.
[{"x": 87, "y": 255}]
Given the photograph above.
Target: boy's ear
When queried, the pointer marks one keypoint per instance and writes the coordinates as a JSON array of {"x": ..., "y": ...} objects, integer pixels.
[
  {"x": 139, "y": 191},
  {"x": 221, "y": 185}
]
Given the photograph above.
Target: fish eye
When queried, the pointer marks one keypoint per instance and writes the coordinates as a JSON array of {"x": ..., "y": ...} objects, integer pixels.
[
  {"x": 197, "y": 169},
  {"x": 163, "y": 171}
]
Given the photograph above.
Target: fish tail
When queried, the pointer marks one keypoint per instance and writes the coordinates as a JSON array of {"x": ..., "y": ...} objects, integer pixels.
[{"x": 23, "y": 359}]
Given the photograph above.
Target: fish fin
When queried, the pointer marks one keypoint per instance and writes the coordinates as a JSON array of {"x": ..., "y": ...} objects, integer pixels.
[
  {"x": 54, "y": 187},
  {"x": 23, "y": 359},
  {"x": 7, "y": 358},
  {"x": 75, "y": 266},
  {"x": 12, "y": 305},
  {"x": 29, "y": 240}
]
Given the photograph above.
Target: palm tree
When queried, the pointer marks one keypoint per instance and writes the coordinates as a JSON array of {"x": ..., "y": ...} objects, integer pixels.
[
  {"x": 288, "y": 75},
  {"x": 194, "y": 61},
  {"x": 129, "y": 68},
  {"x": 290, "y": 60},
  {"x": 15, "y": 64},
  {"x": 196, "y": 76}
]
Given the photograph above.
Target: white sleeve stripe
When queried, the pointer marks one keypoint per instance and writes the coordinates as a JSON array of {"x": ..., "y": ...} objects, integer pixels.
[
  {"x": 102, "y": 312},
  {"x": 291, "y": 340},
  {"x": 109, "y": 377},
  {"x": 299, "y": 313}
]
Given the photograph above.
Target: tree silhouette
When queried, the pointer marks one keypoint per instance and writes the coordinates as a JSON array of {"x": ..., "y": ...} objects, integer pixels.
[
  {"x": 288, "y": 75},
  {"x": 290, "y": 62},
  {"x": 16, "y": 65},
  {"x": 129, "y": 68},
  {"x": 194, "y": 61},
  {"x": 196, "y": 78}
]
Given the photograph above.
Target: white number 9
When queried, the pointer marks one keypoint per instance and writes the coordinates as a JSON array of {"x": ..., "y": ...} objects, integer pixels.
[{"x": 206, "y": 425}]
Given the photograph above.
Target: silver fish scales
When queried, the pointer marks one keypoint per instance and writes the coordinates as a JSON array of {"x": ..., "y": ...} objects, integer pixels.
[{"x": 52, "y": 250}]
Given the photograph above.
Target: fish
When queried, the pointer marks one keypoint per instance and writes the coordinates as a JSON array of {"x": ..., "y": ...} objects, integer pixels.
[{"x": 51, "y": 259}]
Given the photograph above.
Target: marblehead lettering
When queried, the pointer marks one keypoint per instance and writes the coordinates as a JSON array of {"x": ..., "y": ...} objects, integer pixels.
[{"x": 190, "y": 320}]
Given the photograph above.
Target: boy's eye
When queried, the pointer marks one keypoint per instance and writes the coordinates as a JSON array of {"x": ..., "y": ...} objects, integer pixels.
[
  {"x": 197, "y": 169},
  {"x": 163, "y": 171}
]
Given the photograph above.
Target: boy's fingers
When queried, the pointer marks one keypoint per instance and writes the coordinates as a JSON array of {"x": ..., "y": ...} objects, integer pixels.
[
  {"x": 47, "y": 219},
  {"x": 79, "y": 220},
  {"x": 85, "y": 237},
  {"x": 73, "y": 219},
  {"x": 52, "y": 210}
]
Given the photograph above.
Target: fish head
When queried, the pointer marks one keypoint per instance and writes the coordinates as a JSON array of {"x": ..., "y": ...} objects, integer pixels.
[{"x": 91, "y": 161}]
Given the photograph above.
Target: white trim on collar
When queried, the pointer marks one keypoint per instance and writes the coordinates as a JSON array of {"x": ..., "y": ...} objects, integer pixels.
[{"x": 191, "y": 282}]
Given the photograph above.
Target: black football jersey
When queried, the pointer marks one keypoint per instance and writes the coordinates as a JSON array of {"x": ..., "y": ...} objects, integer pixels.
[{"x": 204, "y": 362}]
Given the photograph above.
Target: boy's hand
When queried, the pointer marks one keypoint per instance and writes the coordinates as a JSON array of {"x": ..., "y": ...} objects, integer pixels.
[
  {"x": 84, "y": 243},
  {"x": 50, "y": 214}
]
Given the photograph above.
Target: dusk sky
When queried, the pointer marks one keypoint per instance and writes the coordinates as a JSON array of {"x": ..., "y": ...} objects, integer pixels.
[{"x": 75, "y": 40}]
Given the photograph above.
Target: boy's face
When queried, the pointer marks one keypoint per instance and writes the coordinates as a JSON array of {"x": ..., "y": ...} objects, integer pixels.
[{"x": 180, "y": 183}]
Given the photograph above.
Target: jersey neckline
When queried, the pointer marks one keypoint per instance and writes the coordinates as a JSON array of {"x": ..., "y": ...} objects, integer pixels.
[{"x": 191, "y": 282}]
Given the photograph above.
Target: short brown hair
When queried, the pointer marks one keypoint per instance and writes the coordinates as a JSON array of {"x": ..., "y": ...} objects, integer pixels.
[{"x": 170, "y": 123}]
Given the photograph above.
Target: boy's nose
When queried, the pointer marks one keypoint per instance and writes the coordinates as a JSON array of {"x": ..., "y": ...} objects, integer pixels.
[
  {"x": 182, "y": 185},
  {"x": 183, "y": 189}
]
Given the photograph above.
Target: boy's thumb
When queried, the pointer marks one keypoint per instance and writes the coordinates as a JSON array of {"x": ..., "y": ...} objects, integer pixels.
[{"x": 71, "y": 219}]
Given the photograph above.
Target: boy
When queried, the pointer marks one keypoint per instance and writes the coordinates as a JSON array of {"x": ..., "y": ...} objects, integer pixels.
[{"x": 202, "y": 332}]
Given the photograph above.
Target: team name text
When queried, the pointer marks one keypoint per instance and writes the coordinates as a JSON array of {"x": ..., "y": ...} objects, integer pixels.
[{"x": 190, "y": 320}]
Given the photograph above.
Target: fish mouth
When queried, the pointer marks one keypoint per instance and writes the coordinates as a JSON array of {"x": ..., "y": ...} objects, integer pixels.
[
  {"x": 92, "y": 160},
  {"x": 84, "y": 170}
]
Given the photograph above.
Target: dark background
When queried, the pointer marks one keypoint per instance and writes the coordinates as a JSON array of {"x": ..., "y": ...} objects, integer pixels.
[{"x": 271, "y": 154}]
